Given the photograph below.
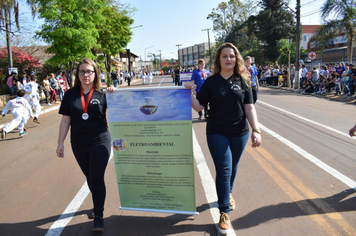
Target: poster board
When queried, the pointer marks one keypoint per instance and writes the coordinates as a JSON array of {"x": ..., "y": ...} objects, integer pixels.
[{"x": 151, "y": 132}]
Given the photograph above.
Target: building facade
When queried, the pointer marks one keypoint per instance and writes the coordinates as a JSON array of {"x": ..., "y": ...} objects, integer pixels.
[{"x": 188, "y": 57}]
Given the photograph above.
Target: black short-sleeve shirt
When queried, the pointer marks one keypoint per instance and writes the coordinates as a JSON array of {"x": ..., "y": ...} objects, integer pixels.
[
  {"x": 226, "y": 100},
  {"x": 94, "y": 130}
]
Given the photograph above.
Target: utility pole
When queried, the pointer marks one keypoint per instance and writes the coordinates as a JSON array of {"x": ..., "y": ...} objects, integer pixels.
[
  {"x": 178, "y": 45},
  {"x": 296, "y": 76},
  {"x": 160, "y": 59},
  {"x": 209, "y": 46}
]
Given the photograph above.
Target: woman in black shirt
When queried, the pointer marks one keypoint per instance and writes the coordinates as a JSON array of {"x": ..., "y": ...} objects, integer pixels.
[
  {"x": 84, "y": 111},
  {"x": 229, "y": 95}
]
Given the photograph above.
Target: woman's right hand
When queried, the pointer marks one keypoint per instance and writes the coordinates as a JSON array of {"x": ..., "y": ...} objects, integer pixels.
[{"x": 60, "y": 150}]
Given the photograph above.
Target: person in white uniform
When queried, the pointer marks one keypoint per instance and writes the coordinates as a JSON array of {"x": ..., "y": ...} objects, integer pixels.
[
  {"x": 31, "y": 95},
  {"x": 20, "y": 110},
  {"x": 150, "y": 77}
]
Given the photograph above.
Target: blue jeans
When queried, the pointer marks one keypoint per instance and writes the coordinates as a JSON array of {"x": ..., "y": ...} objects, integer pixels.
[
  {"x": 226, "y": 152},
  {"x": 61, "y": 93},
  {"x": 114, "y": 81},
  {"x": 303, "y": 79}
]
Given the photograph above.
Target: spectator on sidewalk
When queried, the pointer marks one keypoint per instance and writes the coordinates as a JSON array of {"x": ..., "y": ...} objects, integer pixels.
[
  {"x": 46, "y": 89},
  {"x": 66, "y": 83},
  {"x": 309, "y": 87},
  {"x": 54, "y": 86},
  {"x": 304, "y": 76},
  {"x": 61, "y": 85},
  {"x": 11, "y": 83},
  {"x": 20, "y": 110}
]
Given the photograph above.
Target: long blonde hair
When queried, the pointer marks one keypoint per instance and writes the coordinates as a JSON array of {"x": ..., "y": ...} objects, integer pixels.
[
  {"x": 97, "y": 82},
  {"x": 239, "y": 69}
]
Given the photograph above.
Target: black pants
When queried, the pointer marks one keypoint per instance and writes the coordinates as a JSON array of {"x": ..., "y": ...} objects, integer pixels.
[
  {"x": 254, "y": 93},
  {"x": 177, "y": 81},
  {"x": 93, "y": 161}
]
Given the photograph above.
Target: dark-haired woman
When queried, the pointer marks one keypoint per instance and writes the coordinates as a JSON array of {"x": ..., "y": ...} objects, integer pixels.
[{"x": 84, "y": 111}]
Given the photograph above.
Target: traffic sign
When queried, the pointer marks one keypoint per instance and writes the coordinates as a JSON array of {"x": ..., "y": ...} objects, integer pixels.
[{"x": 311, "y": 55}]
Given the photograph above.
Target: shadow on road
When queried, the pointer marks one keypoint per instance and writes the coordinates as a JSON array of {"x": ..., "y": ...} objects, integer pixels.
[
  {"x": 118, "y": 225},
  {"x": 335, "y": 203}
]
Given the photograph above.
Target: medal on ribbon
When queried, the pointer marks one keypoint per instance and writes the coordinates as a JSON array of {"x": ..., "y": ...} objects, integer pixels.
[{"x": 85, "y": 105}]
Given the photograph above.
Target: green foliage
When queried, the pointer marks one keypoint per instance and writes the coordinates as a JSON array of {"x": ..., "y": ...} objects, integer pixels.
[
  {"x": 227, "y": 14},
  {"x": 272, "y": 23},
  {"x": 114, "y": 31},
  {"x": 70, "y": 28}
]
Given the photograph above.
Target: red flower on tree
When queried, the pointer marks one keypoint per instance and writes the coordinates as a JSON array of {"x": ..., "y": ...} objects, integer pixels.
[{"x": 20, "y": 59}]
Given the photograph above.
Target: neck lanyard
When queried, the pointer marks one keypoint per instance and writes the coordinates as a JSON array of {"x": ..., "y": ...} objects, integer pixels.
[
  {"x": 202, "y": 74},
  {"x": 85, "y": 105}
]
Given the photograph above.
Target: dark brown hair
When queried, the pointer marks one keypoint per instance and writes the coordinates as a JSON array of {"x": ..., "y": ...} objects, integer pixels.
[{"x": 97, "y": 82}]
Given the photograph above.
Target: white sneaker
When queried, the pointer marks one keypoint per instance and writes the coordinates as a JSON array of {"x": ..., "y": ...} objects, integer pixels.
[{"x": 49, "y": 104}]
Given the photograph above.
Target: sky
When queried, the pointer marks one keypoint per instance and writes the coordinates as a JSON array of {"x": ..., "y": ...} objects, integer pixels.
[
  {"x": 168, "y": 23},
  {"x": 165, "y": 24}
]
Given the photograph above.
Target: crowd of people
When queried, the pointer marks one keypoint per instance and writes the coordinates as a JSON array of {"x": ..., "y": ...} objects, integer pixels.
[
  {"x": 337, "y": 78},
  {"x": 340, "y": 80}
]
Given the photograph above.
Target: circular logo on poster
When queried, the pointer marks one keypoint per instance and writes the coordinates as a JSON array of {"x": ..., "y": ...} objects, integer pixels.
[{"x": 148, "y": 106}]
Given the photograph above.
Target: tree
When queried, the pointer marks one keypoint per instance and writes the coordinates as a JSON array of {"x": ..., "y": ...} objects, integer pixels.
[
  {"x": 344, "y": 12},
  {"x": 114, "y": 33},
  {"x": 272, "y": 23},
  {"x": 70, "y": 28},
  {"x": 226, "y": 15},
  {"x": 5, "y": 20}
]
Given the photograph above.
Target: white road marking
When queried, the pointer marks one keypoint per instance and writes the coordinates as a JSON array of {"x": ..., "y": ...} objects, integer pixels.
[
  {"x": 58, "y": 226},
  {"x": 346, "y": 180},
  {"x": 208, "y": 184},
  {"x": 311, "y": 121}
]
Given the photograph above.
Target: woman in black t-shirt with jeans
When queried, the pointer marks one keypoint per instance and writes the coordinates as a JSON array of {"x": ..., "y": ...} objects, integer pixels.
[
  {"x": 229, "y": 96},
  {"x": 84, "y": 111}
]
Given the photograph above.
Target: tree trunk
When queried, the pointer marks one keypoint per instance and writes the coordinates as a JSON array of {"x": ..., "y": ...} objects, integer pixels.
[
  {"x": 349, "y": 46},
  {"x": 108, "y": 69}
]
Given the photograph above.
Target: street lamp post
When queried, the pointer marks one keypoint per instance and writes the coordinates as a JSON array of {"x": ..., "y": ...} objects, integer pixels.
[
  {"x": 209, "y": 45},
  {"x": 178, "y": 45},
  {"x": 145, "y": 52}
]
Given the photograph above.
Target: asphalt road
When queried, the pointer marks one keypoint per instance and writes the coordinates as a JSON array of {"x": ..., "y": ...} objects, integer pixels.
[{"x": 301, "y": 181}]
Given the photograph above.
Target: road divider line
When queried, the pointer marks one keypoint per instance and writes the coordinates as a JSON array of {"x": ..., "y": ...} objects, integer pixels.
[
  {"x": 58, "y": 226},
  {"x": 333, "y": 172},
  {"x": 208, "y": 184},
  {"x": 308, "y": 120},
  {"x": 310, "y": 211},
  {"x": 329, "y": 211}
]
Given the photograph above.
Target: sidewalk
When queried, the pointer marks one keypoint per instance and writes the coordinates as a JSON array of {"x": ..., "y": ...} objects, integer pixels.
[{"x": 331, "y": 96}]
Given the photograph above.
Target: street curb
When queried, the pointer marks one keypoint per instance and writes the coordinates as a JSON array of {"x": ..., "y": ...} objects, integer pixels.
[{"x": 346, "y": 99}]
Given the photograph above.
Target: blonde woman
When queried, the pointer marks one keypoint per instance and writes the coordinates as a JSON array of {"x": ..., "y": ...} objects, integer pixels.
[{"x": 228, "y": 93}]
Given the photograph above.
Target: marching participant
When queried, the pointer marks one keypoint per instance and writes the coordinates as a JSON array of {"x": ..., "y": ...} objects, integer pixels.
[
  {"x": 31, "y": 96},
  {"x": 20, "y": 107}
]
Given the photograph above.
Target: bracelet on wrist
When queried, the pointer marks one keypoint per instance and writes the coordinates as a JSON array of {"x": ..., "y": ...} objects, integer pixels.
[{"x": 257, "y": 131}]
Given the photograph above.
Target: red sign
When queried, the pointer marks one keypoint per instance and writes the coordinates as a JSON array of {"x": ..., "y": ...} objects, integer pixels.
[{"x": 311, "y": 56}]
